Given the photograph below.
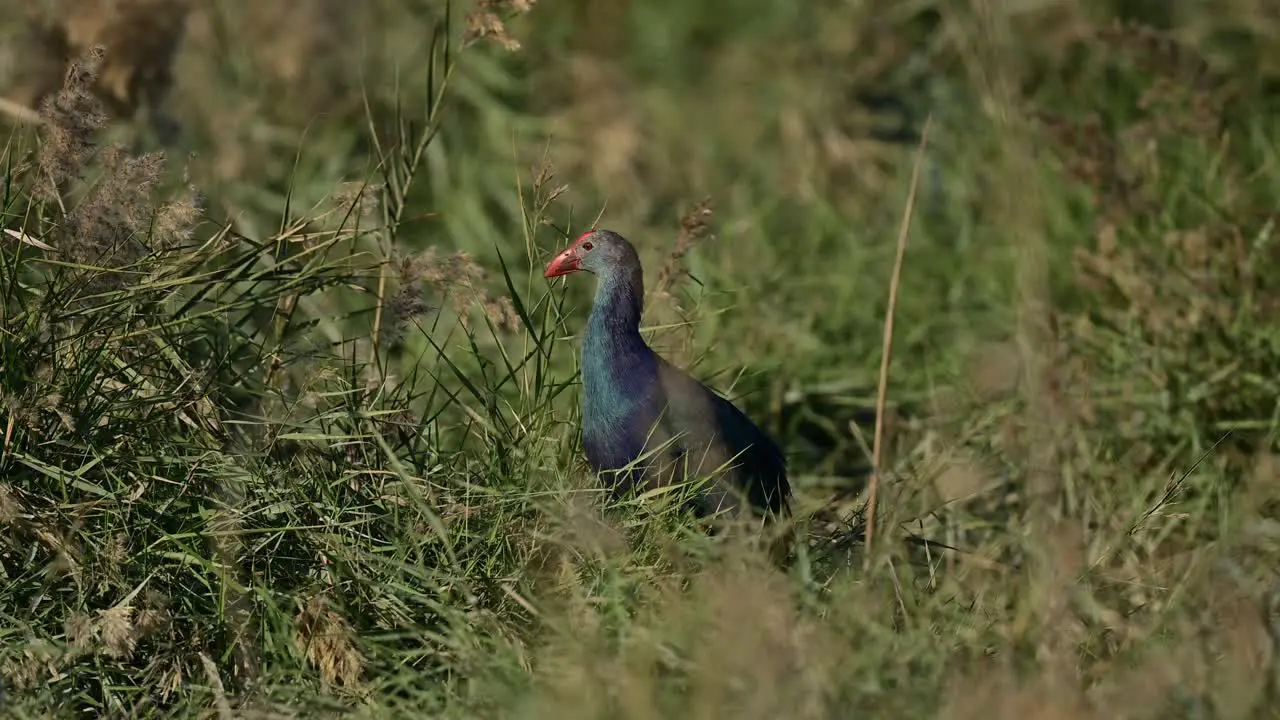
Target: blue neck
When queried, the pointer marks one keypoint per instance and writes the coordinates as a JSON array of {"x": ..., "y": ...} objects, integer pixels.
[
  {"x": 615, "y": 314},
  {"x": 615, "y": 358}
]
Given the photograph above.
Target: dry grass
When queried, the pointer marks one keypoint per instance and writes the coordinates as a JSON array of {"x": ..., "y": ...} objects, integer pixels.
[
  {"x": 882, "y": 386},
  {"x": 286, "y": 432}
]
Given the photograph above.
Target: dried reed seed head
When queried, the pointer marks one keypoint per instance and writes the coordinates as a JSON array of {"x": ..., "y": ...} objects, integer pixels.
[
  {"x": 120, "y": 203},
  {"x": 401, "y": 309},
  {"x": 72, "y": 116},
  {"x": 123, "y": 196},
  {"x": 487, "y": 21},
  {"x": 112, "y": 222},
  {"x": 115, "y": 552},
  {"x": 80, "y": 632},
  {"x": 543, "y": 194},
  {"x": 554, "y": 195},
  {"x": 543, "y": 174},
  {"x": 175, "y": 222},
  {"x": 481, "y": 25},
  {"x": 693, "y": 224},
  {"x": 119, "y": 211},
  {"x": 361, "y": 199},
  {"x": 693, "y": 227},
  {"x": 117, "y": 631},
  {"x": 456, "y": 275},
  {"x": 150, "y": 622},
  {"x": 327, "y": 641}
]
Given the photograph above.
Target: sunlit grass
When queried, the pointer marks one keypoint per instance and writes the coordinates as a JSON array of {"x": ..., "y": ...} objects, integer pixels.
[{"x": 290, "y": 428}]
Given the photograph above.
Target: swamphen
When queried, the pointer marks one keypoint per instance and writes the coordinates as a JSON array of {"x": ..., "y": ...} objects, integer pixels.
[{"x": 645, "y": 421}]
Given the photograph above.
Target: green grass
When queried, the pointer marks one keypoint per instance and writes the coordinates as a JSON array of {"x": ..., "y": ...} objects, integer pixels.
[{"x": 290, "y": 428}]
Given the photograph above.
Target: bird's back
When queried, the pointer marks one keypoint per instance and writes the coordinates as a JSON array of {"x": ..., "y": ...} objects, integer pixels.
[{"x": 714, "y": 436}]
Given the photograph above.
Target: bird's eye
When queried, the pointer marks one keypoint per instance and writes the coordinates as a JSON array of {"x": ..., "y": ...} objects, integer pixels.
[{"x": 586, "y": 246}]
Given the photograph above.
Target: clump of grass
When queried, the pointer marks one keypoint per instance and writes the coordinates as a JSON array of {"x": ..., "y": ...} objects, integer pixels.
[
  {"x": 330, "y": 468},
  {"x": 167, "y": 409},
  {"x": 1190, "y": 304}
]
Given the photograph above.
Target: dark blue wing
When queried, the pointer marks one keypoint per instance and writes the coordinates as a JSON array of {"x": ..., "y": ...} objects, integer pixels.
[{"x": 702, "y": 417}]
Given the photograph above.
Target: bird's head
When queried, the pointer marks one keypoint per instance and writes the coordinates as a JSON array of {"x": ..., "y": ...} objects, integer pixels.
[{"x": 598, "y": 252}]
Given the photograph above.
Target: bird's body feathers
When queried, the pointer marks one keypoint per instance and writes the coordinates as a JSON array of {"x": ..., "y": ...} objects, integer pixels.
[{"x": 647, "y": 423}]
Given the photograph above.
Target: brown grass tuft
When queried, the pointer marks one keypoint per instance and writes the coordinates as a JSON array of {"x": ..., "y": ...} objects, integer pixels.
[
  {"x": 693, "y": 228},
  {"x": 327, "y": 641},
  {"x": 360, "y": 199},
  {"x": 176, "y": 220},
  {"x": 110, "y": 223},
  {"x": 72, "y": 116},
  {"x": 429, "y": 275},
  {"x": 486, "y": 22},
  {"x": 116, "y": 632},
  {"x": 664, "y": 301},
  {"x": 109, "y": 213},
  {"x": 116, "y": 628}
]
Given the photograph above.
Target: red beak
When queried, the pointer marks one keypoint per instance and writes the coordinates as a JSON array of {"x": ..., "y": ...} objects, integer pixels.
[{"x": 564, "y": 263}]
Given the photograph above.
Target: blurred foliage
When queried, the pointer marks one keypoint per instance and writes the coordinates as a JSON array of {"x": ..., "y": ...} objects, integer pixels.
[{"x": 290, "y": 417}]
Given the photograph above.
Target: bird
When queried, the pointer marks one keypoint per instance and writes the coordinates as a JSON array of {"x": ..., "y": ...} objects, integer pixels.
[{"x": 645, "y": 422}]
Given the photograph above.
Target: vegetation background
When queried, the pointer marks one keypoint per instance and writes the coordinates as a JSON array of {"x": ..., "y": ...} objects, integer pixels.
[{"x": 289, "y": 414}]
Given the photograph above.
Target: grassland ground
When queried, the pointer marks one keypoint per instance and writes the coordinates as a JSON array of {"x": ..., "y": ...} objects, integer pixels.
[{"x": 290, "y": 417}]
